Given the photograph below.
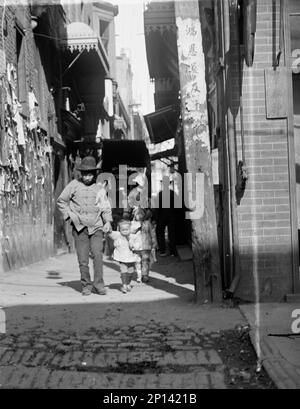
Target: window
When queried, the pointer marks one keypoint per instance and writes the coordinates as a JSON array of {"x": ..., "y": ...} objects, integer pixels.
[{"x": 104, "y": 32}]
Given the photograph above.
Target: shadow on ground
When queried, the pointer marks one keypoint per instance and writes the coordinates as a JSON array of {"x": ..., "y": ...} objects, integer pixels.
[{"x": 180, "y": 272}]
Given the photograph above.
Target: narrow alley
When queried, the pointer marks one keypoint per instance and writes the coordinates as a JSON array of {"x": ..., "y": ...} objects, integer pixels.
[{"x": 155, "y": 144}]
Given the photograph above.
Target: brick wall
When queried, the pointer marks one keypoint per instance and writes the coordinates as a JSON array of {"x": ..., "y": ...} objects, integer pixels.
[
  {"x": 264, "y": 213},
  {"x": 26, "y": 168}
]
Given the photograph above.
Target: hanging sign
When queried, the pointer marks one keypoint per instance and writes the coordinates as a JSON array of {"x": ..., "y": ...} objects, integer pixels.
[{"x": 276, "y": 93}]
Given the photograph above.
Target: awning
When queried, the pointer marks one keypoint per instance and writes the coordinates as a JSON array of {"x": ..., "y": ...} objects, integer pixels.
[
  {"x": 161, "y": 39},
  {"x": 124, "y": 152},
  {"x": 81, "y": 37},
  {"x": 162, "y": 124},
  {"x": 165, "y": 154}
]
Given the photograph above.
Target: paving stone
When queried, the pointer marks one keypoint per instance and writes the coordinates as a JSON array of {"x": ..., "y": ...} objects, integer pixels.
[
  {"x": 71, "y": 342},
  {"x": 23, "y": 337},
  {"x": 2, "y": 351},
  {"x": 77, "y": 379},
  {"x": 214, "y": 357},
  {"x": 52, "y": 344},
  {"x": 28, "y": 377},
  {"x": 88, "y": 358},
  {"x": 100, "y": 360},
  {"x": 56, "y": 359},
  {"x": 181, "y": 337},
  {"x": 139, "y": 328},
  {"x": 40, "y": 346},
  {"x": 38, "y": 358},
  {"x": 62, "y": 348},
  {"x": 113, "y": 359},
  {"x": 43, "y": 340},
  {"x": 215, "y": 335},
  {"x": 6, "y": 373},
  {"x": 200, "y": 381},
  {"x": 66, "y": 360},
  {"x": 187, "y": 347},
  {"x": 217, "y": 380},
  {"x": 88, "y": 381},
  {"x": 132, "y": 345},
  {"x": 28, "y": 356},
  {"x": 16, "y": 377},
  {"x": 84, "y": 337},
  {"x": 77, "y": 356},
  {"x": 54, "y": 380},
  {"x": 174, "y": 343},
  {"x": 6, "y": 357},
  {"x": 183, "y": 358},
  {"x": 7, "y": 342},
  {"x": 41, "y": 378},
  {"x": 23, "y": 345},
  {"x": 16, "y": 357}
]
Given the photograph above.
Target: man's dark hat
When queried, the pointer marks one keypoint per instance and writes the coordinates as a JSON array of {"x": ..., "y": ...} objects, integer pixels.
[{"x": 87, "y": 164}]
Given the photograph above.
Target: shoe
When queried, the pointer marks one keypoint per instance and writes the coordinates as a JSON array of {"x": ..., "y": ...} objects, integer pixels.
[
  {"x": 139, "y": 280},
  {"x": 124, "y": 289},
  {"x": 145, "y": 279},
  {"x": 86, "y": 291},
  {"x": 100, "y": 291},
  {"x": 128, "y": 287}
]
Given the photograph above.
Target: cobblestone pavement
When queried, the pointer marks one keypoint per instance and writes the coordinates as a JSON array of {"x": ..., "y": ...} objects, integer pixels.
[
  {"x": 155, "y": 337},
  {"x": 131, "y": 357},
  {"x": 141, "y": 357}
]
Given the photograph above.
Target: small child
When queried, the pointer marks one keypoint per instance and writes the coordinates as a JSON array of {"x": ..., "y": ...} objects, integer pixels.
[
  {"x": 143, "y": 243},
  {"x": 123, "y": 253}
]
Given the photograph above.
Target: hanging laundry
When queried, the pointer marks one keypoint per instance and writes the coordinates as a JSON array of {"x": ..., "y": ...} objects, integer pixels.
[
  {"x": 9, "y": 71},
  {"x": 14, "y": 164},
  {"x": 16, "y": 106},
  {"x": 7, "y": 183},
  {"x": 33, "y": 111},
  {"x": 5, "y": 146},
  {"x": 2, "y": 181},
  {"x": 8, "y": 96},
  {"x": 20, "y": 129}
]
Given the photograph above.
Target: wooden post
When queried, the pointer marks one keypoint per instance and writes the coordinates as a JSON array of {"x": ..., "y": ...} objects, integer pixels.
[
  {"x": 1, "y": 146},
  {"x": 198, "y": 154}
]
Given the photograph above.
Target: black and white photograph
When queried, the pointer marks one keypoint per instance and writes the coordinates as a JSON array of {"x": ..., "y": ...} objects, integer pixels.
[{"x": 149, "y": 198}]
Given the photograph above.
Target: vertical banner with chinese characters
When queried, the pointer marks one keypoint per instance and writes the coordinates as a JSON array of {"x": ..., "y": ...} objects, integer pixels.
[{"x": 197, "y": 146}]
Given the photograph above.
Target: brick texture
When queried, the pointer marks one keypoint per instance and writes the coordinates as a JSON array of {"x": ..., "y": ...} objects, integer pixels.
[{"x": 264, "y": 211}]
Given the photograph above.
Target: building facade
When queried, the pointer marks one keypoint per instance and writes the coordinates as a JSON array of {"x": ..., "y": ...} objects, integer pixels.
[
  {"x": 57, "y": 62},
  {"x": 28, "y": 129},
  {"x": 251, "y": 55}
]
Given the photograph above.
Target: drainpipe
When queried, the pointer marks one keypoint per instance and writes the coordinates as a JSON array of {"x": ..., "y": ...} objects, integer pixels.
[{"x": 231, "y": 143}]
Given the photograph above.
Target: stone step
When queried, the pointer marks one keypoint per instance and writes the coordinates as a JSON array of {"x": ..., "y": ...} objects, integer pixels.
[
  {"x": 44, "y": 378},
  {"x": 81, "y": 360}
]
